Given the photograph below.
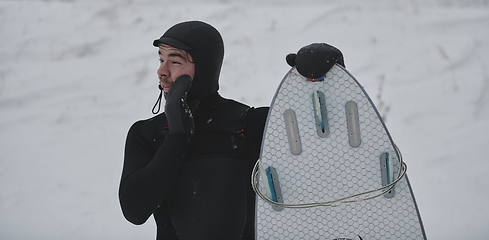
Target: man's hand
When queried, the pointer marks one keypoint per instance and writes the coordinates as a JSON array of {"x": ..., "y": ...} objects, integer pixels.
[
  {"x": 315, "y": 60},
  {"x": 178, "y": 113}
]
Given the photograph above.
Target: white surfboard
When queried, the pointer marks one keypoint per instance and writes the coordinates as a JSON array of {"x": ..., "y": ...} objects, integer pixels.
[{"x": 330, "y": 166}]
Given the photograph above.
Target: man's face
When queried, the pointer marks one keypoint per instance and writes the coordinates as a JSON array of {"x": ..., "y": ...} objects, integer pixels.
[{"x": 173, "y": 64}]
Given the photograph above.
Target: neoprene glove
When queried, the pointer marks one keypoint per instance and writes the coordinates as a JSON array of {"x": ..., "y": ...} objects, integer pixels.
[
  {"x": 315, "y": 60},
  {"x": 178, "y": 113}
]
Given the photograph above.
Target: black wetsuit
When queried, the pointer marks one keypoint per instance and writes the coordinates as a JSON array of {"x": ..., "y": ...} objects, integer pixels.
[
  {"x": 196, "y": 187},
  {"x": 207, "y": 193}
]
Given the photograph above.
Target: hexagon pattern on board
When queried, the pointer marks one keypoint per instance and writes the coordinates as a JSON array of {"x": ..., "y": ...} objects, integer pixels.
[{"x": 329, "y": 168}]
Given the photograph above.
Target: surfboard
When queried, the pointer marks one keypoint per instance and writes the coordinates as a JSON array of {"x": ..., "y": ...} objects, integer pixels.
[{"x": 328, "y": 167}]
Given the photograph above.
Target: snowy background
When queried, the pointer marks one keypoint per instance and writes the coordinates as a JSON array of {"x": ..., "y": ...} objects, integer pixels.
[{"x": 74, "y": 76}]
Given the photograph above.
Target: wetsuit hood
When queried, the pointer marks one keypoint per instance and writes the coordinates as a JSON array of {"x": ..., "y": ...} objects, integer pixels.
[{"x": 204, "y": 43}]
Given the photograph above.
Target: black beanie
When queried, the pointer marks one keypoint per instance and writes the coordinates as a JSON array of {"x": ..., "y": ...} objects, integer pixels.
[{"x": 204, "y": 43}]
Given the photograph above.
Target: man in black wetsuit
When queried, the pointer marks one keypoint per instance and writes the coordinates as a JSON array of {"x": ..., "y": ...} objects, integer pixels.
[{"x": 191, "y": 165}]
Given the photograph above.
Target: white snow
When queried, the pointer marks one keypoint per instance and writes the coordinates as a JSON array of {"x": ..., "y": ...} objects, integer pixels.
[{"x": 74, "y": 75}]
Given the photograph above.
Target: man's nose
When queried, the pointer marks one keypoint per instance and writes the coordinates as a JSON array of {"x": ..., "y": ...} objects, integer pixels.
[{"x": 163, "y": 70}]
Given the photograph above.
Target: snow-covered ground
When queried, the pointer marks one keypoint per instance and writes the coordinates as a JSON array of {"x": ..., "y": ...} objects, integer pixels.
[{"x": 74, "y": 75}]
